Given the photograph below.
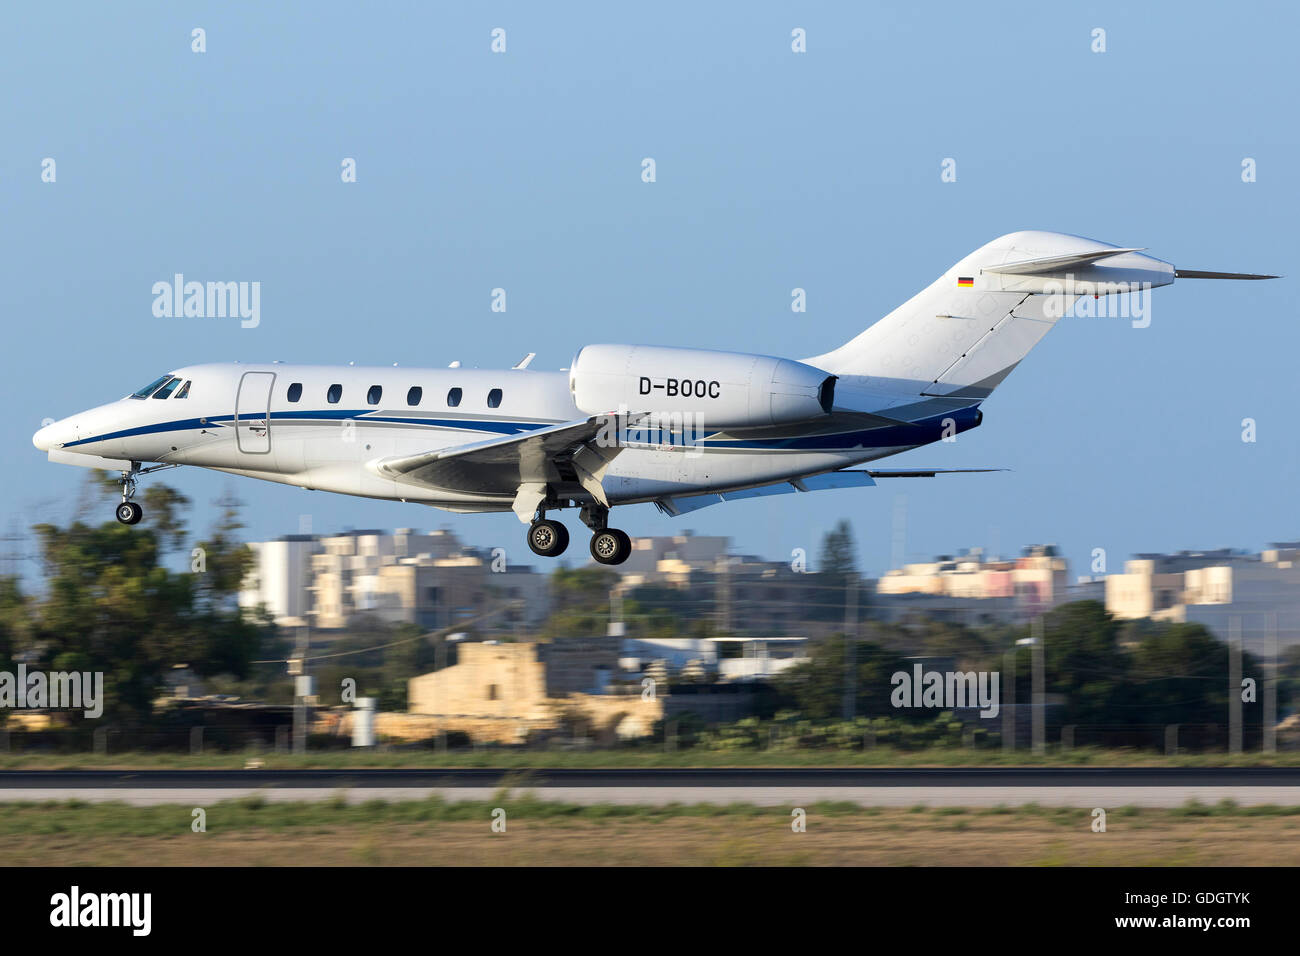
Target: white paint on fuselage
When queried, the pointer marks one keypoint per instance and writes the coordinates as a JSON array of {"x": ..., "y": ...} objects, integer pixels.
[{"x": 313, "y": 443}]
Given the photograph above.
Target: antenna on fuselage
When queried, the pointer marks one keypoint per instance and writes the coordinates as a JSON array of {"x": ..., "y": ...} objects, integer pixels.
[
  {"x": 455, "y": 364},
  {"x": 525, "y": 361}
]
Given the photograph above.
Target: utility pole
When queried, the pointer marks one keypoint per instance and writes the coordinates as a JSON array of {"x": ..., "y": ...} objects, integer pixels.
[
  {"x": 1039, "y": 694},
  {"x": 1009, "y": 705},
  {"x": 723, "y": 598},
  {"x": 851, "y": 647},
  {"x": 1234, "y": 687},
  {"x": 616, "y": 625},
  {"x": 302, "y": 689},
  {"x": 1270, "y": 691}
]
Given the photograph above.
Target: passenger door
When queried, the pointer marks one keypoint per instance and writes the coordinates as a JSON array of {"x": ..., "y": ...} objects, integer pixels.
[{"x": 253, "y": 413}]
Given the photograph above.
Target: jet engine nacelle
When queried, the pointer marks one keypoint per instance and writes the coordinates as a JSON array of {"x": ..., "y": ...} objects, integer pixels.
[{"x": 719, "y": 389}]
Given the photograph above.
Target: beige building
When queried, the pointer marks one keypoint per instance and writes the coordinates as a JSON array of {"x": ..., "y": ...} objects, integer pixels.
[
  {"x": 511, "y": 692},
  {"x": 331, "y": 582},
  {"x": 742, "y": 594},
  {"x": 1035, "y": 581},
  {"x": 1229, "y": 592}
]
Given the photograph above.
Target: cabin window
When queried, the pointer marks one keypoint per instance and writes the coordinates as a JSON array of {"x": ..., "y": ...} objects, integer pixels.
[
  {"x": 295, "y": 391},
  {"x": 375, "y": 394},
  {"x": 453, "y": 398},
  {"x": 414, "y": 395},
  {"x": 184, "y": 392},
  {"x": 334, "y": 394},
  {"x": 166, "y": 390},
  {"x": 151, "y": 387},
  {"x": 494, "y": 398}
]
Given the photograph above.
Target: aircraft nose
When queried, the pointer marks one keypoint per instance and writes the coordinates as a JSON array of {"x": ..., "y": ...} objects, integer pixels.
[{"x": 47, "y": 437}]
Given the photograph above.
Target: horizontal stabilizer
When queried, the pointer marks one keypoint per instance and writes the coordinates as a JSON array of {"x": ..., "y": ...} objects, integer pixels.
[
  {"x": 928, "y": 472},
  {"x": 1194, "y": 274},
  {"x": 1033, "y": 267}
]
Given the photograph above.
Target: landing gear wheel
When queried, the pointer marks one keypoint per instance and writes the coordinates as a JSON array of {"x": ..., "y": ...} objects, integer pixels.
[
  {"x": 610, "y": 546},
  {"x": 548, "y": 538},
  {"x": 128, "y": 512}
]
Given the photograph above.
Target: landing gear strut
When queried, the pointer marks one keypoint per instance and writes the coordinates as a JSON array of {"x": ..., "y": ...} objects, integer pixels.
[
  {"x": 608, "y": 545},
  {"x": 128, "y": 512}
]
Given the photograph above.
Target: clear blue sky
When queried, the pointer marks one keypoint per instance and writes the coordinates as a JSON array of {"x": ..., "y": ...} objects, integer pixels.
[{"x": 775, "y": 170}]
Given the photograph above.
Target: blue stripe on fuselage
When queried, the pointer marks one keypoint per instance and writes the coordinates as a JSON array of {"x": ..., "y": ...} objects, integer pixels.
[{"x": 918, "y": 433}]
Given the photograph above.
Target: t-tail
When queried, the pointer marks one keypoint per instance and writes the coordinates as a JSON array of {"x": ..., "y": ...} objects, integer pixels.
[{"x": 960, "y": 337}]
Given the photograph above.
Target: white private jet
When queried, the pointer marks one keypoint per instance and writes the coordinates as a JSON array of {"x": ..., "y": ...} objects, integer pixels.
[{"x": 682, "y": 428}]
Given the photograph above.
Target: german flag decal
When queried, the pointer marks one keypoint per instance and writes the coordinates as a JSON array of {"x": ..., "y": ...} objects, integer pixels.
[{"x": 965, "y": 282}]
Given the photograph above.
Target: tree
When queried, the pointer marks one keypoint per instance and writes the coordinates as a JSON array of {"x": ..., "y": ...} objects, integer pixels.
[
  {"x": 580, "y": 602},
  {"x": 164, "y": 510},
  {"x": 1083, "y": 661},
  {"x": 225, "y": 560},
  {"x": 837, "y": 567},
  {"x": 816, "y": 688},
  {"x": 1180, "y": 675},
  {"x": 112, "y": 606}
]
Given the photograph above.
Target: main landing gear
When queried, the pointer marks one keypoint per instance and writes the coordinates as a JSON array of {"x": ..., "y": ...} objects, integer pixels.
[
  {"x": 548, "y": 538},
  {"x": 611, "y": 546},
  {"x": 608, "y": 545}
]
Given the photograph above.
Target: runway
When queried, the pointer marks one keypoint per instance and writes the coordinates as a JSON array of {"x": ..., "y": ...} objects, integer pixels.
[{"x": 970, "y": 787}]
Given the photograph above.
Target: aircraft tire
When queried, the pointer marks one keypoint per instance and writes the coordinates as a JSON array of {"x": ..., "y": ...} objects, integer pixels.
[
  {"x": 548, "y": 538},
  {"x": 611, "y": 546}
]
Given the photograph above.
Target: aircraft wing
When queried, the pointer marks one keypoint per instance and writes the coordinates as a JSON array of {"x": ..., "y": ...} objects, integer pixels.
[
  {"x": 518, "y": 465},
  {"x": 846, "y": 478}
]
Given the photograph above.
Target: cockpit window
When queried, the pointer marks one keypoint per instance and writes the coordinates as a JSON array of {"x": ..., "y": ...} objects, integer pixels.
[
  {"x": 166, "y": 390},
  {"x": 151, "y": 387},
  {"x": 184, "y": 392}
]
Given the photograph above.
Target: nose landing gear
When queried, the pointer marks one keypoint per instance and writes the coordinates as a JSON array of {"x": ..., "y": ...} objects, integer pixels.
[{"x": 128, "y": 512}]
